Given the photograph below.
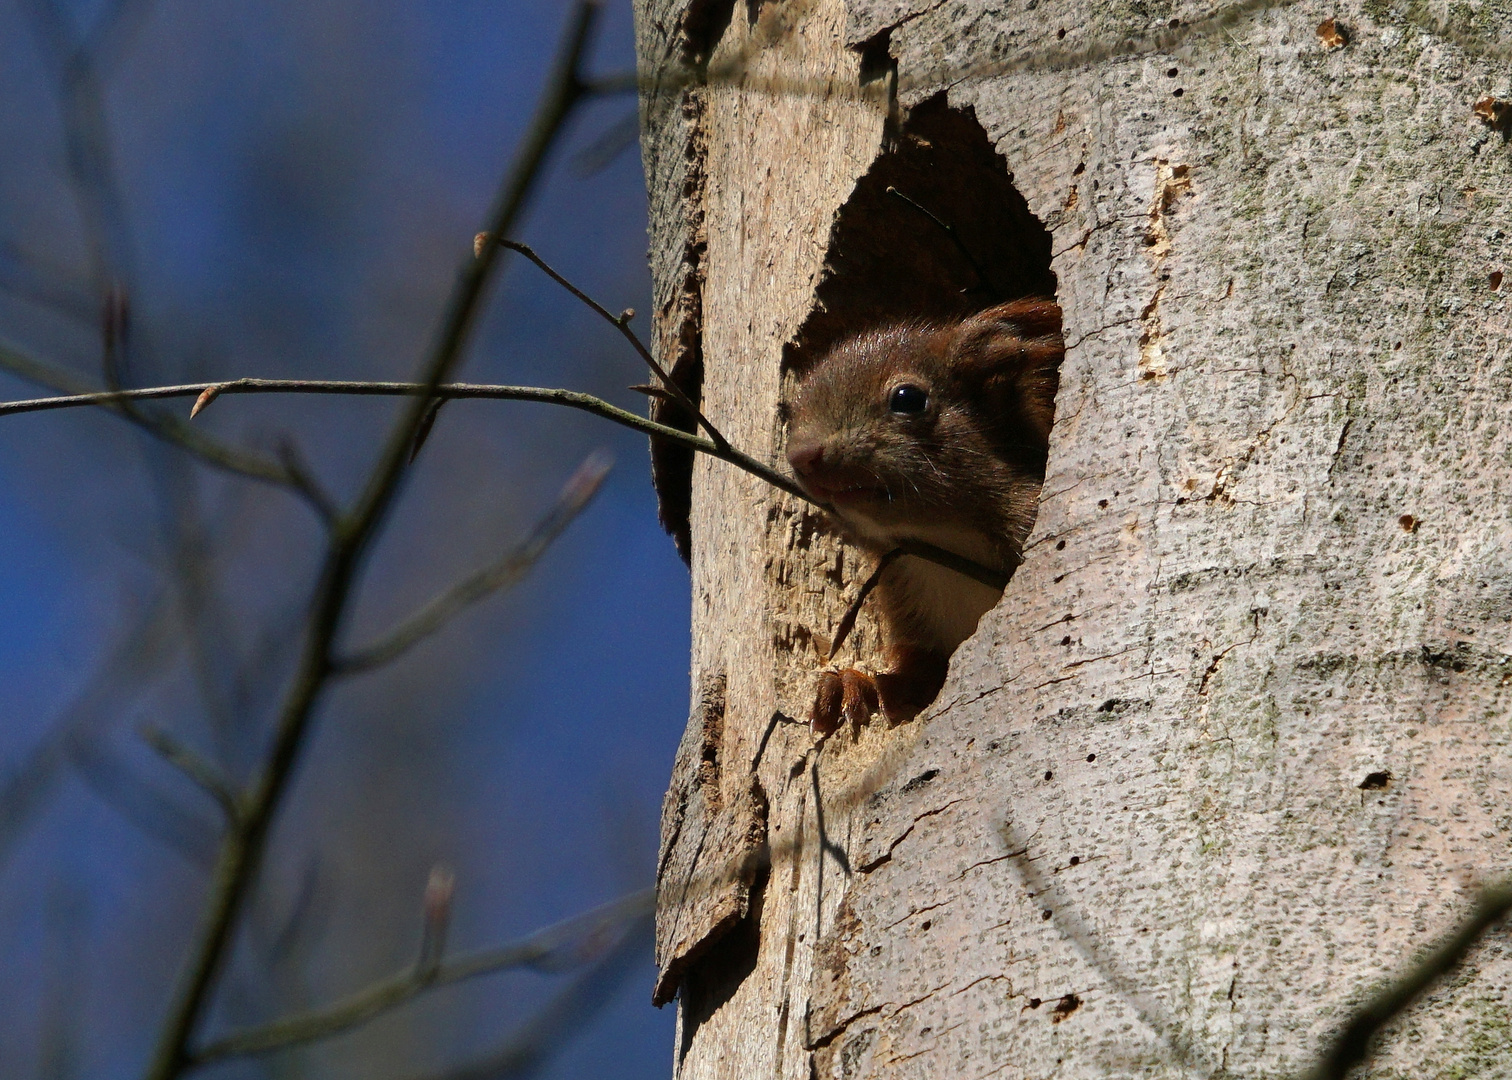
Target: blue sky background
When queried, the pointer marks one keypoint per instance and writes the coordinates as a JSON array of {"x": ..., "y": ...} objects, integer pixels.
[{"x": 297, "y": 181}]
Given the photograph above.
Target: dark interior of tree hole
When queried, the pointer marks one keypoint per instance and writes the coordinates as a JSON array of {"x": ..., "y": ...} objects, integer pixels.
[{"x": 935, "y": 230}]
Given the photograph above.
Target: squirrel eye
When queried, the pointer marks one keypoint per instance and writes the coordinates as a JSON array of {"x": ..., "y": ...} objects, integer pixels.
[{"x": 907, "y": 399}]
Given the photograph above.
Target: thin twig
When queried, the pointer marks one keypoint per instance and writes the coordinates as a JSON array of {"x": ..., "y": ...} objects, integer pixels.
[
  {"x": 575, "y": 496},
  {"x": 358, "y": 388},
  {"x": 848, "y": 620},
  {"x": 205, "y": 774},
  {"x": 560, "y": 947},
  {"x": 302, "y": 478},
  {"x": 86, "y": 143},
  {"x": 141, "y": 652},
  {"x": 167, "y": 428},
  {"x": 626, "y": 82},
  {"x": 81, "y": 57},
  {"x": 621, "y": 323},
  {"x": 995, "y": 579},
  {"x": 955, "y": 238},
  {"x": 525, "y": 1053},
  {"x": 600, "y": 154},
  {"x": 569, "y": 398},
  {"x": 23, "y": 277},
  {"x": 345, "y": 387},
  {"x": 348, "y": 543},
  {"x": 113, "y": 777},
  {"x": 1352, "y": 1045}
]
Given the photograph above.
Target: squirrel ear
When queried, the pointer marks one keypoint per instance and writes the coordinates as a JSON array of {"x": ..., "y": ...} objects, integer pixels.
[
  {"x": 1012, "y": 355},
  {"x": 1033, "y": 316}
]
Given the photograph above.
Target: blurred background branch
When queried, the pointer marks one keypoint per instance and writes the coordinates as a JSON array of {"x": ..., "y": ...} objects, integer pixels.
[
  {"x": 579, "y": 491},
  {"x": 210, "y": 216},
  {"x": 1357, "y": 1039},
  {"x": 568, "y": 945},
  {"x": 350, "y": 535}
]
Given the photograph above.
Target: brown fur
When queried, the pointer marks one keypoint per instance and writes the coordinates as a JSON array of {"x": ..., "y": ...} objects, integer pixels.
[{"x": 963, "y": 474}]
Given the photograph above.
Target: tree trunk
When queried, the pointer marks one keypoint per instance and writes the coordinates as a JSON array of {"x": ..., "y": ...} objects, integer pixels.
[{"x": 1233, "y": 747}]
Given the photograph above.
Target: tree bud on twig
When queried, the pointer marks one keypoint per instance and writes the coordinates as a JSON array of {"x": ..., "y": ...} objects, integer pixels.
[
  {"x": 439, "y": 889},
  {"x": 209, "y": 394}
]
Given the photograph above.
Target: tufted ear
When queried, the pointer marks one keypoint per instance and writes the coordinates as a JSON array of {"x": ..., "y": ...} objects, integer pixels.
[{"x": 1009, "y": 356}]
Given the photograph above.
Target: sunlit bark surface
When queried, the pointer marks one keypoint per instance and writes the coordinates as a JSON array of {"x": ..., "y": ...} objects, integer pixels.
[{"x": 1234, "y": 745}]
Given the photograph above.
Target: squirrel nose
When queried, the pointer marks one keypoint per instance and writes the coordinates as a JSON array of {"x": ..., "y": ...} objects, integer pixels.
[{"x": 805, "y": 457}]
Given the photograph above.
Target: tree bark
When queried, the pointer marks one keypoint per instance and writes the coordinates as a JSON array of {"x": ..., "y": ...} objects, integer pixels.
[{"x": 1233, "y": 748}]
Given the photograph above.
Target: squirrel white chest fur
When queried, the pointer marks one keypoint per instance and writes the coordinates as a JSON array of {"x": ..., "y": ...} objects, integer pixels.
[{"x": 930, "y": 605}]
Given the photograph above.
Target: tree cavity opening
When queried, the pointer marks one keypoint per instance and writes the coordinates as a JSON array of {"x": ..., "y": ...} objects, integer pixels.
[{"x": 934, "y": 231}]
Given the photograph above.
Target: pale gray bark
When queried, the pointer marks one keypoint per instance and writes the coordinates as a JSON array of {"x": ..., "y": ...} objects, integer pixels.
[{"x": 1234, "y": 746}]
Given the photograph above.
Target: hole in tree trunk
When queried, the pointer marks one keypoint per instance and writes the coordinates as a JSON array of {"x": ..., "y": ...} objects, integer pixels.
[
  {"x": 934, "y": 233},
  {"x": 889, "y": 262}
]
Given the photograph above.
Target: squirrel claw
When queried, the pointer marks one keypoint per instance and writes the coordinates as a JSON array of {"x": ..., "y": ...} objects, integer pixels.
[
  {"x": 849, "y": 695},
  {"x": 898, "y": 695}
]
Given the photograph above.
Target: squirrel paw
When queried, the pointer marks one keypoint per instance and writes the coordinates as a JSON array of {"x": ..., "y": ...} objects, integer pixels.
[
  {"x": 899, "y": 695},
  {"x": 849, "y": 694}
]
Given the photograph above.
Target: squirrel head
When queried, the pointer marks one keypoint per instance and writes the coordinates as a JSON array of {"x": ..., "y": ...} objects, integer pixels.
[{"x": 924, "y": 424}]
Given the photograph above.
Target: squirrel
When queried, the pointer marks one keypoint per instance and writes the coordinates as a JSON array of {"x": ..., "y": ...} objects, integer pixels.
[{"x": 935, "y": 432}]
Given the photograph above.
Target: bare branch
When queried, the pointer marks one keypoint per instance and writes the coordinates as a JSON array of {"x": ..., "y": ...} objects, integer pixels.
[
  {"x": 113, "y": 28},
  {"x": 575, "y": 496},
  {"x": 46, "y": 287},
  {"x": 621, "y": 323},
  {"x": 570, "y": 398},
  {"x": 167, "y": 428},
  {"x": 848, "y": 620},
  {"x": 567, "y": 944},
  {"x": 143, "y": 650},
  {"x": 1352, "y": 1045},
  {"x": 111, "y": 776},
  {"x": 995, "y": 579},
  {"x": 302, "y": 478},
  {"x": 201, "y": 770},
  {"x": 350, "y": 538},
  {"x": 600, "y": 154},
  {"x": 626, "y": 82},
  {"x": 531, "y": 1047},
  {"x": 88, "y": 153}
]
